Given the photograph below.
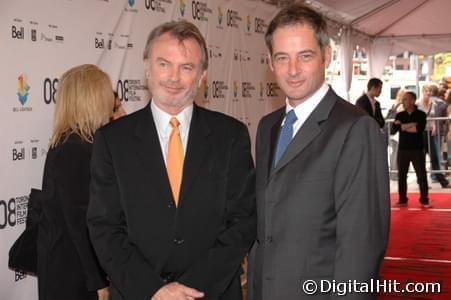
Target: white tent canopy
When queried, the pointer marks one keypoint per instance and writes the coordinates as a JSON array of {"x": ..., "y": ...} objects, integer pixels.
[{"x": 384, "y": 28}]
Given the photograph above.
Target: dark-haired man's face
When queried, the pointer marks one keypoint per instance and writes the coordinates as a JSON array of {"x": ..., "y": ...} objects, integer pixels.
[
  {"x": 408, "y": 101},
  {"x": 376, "y": 90},
  {"x": 297, "y": 62}
]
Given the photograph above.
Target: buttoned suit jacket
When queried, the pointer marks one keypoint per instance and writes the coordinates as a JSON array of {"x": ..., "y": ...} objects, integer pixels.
[
  {"x": 364, "y": 103},
  {"x": 142, "y": 240},
  {"x": 323, "y": 211}
]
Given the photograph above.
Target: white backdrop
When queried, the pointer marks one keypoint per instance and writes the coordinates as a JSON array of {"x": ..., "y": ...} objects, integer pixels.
[{"x": 40, "y": 39}]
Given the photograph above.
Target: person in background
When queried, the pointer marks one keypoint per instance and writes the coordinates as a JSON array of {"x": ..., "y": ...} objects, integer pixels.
[
  {"x": 440, "y": 125},
  {"x": 172, "y": 208},
  {"x": 67, "y": 265},
  {"x": 368, "y": 101},
  {"x": 410, "y": 124},
  {"x": 118, "y": 110},
  {"x": 394, "y": 138},
  {"x": 448, "y": 135},
  {"x": 322, "y": 184},
  {"x": 431, "y": 107}
]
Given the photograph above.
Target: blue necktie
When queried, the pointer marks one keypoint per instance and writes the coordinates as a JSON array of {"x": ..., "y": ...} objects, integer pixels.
[{"x": 286, "y": 134}]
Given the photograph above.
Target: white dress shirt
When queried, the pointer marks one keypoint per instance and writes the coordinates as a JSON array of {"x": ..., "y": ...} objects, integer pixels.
[
  {"x": 304, "y": 109},
  {"x": 164, "y": 128}
]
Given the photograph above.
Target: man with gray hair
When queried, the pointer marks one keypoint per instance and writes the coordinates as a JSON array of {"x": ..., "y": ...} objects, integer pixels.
[{"x": 172, "y": 208}]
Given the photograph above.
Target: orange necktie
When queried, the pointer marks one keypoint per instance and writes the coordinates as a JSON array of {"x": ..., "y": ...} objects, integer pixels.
[{"x": 175, "y": 159}]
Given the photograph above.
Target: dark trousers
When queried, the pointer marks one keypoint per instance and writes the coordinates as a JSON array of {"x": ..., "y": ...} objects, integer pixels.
[
  {"x": 432, "y": 143},
  {"x": 417, "y": 157}
]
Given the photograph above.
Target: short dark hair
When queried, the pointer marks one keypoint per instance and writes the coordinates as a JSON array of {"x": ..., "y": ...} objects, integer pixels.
[
  {"x": 412, "y": 94},
  {"x": 374, "y": 82},
  {"x": 298, "y": 14},
  {"x": 181, "y": 30}
]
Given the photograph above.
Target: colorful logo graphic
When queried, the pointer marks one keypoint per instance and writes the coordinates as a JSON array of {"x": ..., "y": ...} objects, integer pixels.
[
  {"x": 22, "y": 88},
  {"x": 220, "y": 15},
  {"x": 235, "y": 88},
  {"x": 182, "y": 7},
  {"x": 205, "y": 89},
  {"x": 131, "y": 3},
  {"x": 248, "y": 23}
]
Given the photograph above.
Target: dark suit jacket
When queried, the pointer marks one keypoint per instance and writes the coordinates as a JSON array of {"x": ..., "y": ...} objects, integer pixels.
[
  {"x": 67, "y": 265},
  {"x": 323, "y": 211},
  {"x": 364, "y": 103},
  {"x": 141, "y": 239}
]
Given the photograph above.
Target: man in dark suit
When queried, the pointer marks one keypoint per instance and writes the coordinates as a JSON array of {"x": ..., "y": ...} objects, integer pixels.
[
  {"x": 172, "y": 208},
  {"x": 322, "y": 178},
  {"x": 368, "y": 101}
]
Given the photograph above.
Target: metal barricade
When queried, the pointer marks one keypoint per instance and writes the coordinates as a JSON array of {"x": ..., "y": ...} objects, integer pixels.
[{"x": 442, "y": 138}]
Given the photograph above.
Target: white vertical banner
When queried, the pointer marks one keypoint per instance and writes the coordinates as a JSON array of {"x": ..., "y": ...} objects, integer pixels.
[{"x": 41, "y": 39}]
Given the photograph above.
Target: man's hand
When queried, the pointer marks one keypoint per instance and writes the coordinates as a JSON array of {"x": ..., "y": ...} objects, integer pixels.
[
  {"x": 409, "y": 126},
  {"x": 103, "y": 294},
  {"x": 177, "y": 291}
]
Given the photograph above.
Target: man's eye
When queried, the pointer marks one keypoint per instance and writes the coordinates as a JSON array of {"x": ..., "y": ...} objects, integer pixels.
[
  {"x": 281, "y": 59},
  {"x": 306, "y": 57}
]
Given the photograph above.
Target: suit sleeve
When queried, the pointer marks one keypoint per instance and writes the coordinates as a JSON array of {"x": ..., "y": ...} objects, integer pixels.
[
  {"x": 360, "y": 103},
  {"x": 129, "y": 271},
  {"x": 72, "y": 187},
  {"x": 395, "y": 127},
  {"x": 362, "y": 205},
  {"x": 239, "y": 232},
  {"x": 378, "y": 115}
]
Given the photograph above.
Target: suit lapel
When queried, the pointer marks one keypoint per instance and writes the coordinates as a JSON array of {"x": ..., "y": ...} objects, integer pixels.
[
  {"x": 149, "y": 153},
  {"x": 308, "y": 131},
  {"x": 196, "y": 152},
  {"x": 370, "y": 107}
]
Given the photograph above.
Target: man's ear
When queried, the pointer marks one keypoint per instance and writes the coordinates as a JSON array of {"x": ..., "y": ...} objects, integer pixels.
[
  {"x": 327, "y": 55},
  {"x": 147, "y": 68},
  {"x": 202, "y": 78},
  {"x": 271, "y": 66}
]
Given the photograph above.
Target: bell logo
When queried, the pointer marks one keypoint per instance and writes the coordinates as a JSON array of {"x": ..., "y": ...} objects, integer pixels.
[
  {"x": 220, "y": 15},
  {"x": 248, "y": 23},
  {"x": 22, "y": 88},
  {"x": 17, "y": 33},
  {"x": 235, "y": 89},
  {"x": 19, "y": 154},
  {"x": 205, "y": 89},
  {"x": 182, "y": 7}
]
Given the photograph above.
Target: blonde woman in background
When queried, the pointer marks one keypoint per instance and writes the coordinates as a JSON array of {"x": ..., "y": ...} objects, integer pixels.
[
  {"x": 67, "y": 265},
  {"x": 394, "y": 138}
]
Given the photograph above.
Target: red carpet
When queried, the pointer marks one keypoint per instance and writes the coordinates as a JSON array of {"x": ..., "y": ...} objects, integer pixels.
[{"x": 419, "y": 248}]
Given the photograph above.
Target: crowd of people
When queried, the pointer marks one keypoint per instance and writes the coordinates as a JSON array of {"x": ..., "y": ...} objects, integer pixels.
[
  {"x": 411, "y": 136},
  {"x": 165, "y": 203}
]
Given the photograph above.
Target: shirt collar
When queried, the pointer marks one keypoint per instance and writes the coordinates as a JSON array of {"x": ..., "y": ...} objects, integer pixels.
[
  {"x": 162, "y": 118},
  {"x": 372, "y": 100},
  {"x": 310, "y": 104}
]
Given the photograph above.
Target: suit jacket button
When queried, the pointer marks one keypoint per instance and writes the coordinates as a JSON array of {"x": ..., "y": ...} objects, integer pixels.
[{"x": 178, "y": 241}]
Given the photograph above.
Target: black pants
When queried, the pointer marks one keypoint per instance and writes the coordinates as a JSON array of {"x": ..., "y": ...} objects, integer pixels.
[
  {"x": 433, "y": 142},
  {"x": 417, "y": 157}
]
